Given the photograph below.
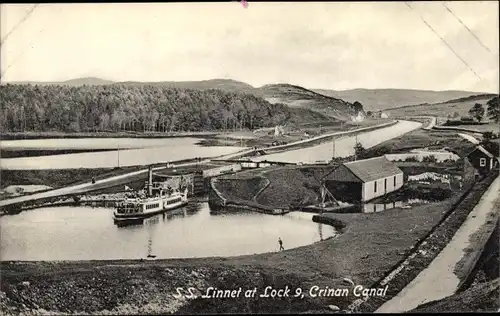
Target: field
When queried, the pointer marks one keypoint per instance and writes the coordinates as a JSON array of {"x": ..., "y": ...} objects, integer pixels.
[
  {"x": 434, "y": 139},
  {"x": 489, "y": 127},
  {"x": 461, "y": 107},
  {"x": 385, "y": 99}
]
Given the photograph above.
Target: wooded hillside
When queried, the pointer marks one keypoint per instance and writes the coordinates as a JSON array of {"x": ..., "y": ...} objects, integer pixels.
[{"x": 138, "y": 108}]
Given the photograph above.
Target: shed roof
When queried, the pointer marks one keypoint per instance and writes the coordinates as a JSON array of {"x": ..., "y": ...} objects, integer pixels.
[
  {"x": 483, "y": 150},
  {"x": 373, "y": 168}
]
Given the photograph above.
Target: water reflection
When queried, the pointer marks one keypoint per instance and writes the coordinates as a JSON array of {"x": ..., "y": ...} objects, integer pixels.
[
  {"x": 376, "y": 207},
  {"x": 380, "y": 207},
  {"x": 85, "y": 233}
]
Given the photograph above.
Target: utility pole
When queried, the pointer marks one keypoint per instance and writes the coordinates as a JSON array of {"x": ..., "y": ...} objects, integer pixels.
[
  {"x": 333, "y": 149},
  {"x": 118, "y": 154},
  {"x": 355, "y": 146}
]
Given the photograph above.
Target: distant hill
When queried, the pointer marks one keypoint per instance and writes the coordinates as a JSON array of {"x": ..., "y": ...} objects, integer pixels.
[
  {"x": 382, "y": 99},
  {"x": 91, "y": 81},
  {"x": 227, "y": 85},
  {"x": 144, "y": 108},
  {"x": 478, "y": 97},
  {"x": 293, "y": 96},
  {"x": 299, "y": 97},
  {"x": 457, "y": 107}
]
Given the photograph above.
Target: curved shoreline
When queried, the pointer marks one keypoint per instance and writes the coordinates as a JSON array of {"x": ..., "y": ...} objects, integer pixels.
[{"x": 304, "y": 266}]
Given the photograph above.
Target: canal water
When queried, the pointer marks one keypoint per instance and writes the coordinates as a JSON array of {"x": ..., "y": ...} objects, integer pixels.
[
  {"x": 86, "y": 233},
  {"x": 89, "y": 143},
  {"x": 145, "y": 151},
  {"x": 344, "y": 146}
]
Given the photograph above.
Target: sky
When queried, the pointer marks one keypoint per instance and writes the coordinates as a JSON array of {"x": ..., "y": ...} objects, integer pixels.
[{"x": 317, "y": 45}]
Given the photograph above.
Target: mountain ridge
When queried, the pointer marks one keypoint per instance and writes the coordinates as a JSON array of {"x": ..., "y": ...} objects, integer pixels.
[
  {"x": 334, "y": 103},
  {"x": 291, "y": 95},
  {"x": 389, "y": 98}
]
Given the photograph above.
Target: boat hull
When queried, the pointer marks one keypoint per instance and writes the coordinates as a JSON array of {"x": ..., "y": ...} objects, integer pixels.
[{"x": 138, "y": 217}]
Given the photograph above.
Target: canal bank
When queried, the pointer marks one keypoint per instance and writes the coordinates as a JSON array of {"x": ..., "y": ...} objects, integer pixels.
[
  {"x": 123, "y": 175},
  {"x": 439, "y": 253},
  {"x": 362, "y": 253}
]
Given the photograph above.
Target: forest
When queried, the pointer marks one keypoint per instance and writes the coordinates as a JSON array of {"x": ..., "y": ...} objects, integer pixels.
[{"x": 144, "y": 108}]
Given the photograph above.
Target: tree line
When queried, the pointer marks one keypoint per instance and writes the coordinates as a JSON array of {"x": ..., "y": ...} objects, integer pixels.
[
  {"x": 493, "y": 110},
  {"x": 144, "y": 108}
]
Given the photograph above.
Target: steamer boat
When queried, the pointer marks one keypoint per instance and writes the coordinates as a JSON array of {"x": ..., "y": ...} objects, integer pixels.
[{"x": 156, "y": 199}]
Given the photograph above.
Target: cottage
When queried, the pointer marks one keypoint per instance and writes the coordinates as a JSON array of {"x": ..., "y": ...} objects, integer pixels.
[
  {"x": 482, "y": 160},
  {"x": 363, "y": 180}
]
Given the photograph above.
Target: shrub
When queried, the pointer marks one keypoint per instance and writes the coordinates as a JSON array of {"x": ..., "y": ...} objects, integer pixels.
[
  {"x": 430, "y": 158},
  {"x": 411, "y": 159},
  {"x": 489, "y": 135}
]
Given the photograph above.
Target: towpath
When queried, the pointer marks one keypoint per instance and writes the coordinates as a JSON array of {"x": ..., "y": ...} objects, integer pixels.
[
  {"x": 438, "y": 280},
  {"x": 86, "y": 187},
  {"x": 89, "y": 186},
  {"x": 468, "y": 137}
]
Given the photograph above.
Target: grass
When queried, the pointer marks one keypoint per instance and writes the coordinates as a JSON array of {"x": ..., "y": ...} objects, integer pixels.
[
  {"x": 293, "y": 186},
  {"x": 4, "y": 153},
  {"x": 59, "y": 178},
  {"x": 364, "y": 252},
  {"x": 435, "y": 241},
  {"x": 481, "y": 298},
  {"x": 427, "y": 139},
  {"x": 124, "y": 134},
  {"x": 440, "y": 109},
  {"x": 489, "y": 127},
  {"x": 295, "y": 133},
  {"x": 275, "y": 187},
  {"x": 369, "y": 246}
]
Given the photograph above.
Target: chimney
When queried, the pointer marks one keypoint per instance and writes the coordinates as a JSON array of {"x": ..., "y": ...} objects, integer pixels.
[{"x": 150, "y": 181}]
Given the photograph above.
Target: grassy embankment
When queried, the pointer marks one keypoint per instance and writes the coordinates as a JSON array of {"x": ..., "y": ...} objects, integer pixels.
[
  {"x": 273, "y": 187},
  {"x": 480, "y": 298},
  {"x": 369, "y": 246},
  {"x": 66, "y": 177},
  {"x": 483, "y": 293},
  {"x": 123, "y": 134},
  {"x": 443, "y": 109},
  {"x": 364, "y": 253},
  {"x": 5, "y": 153},
  {"x": 292, "y": 133},
  {"x": 426, "y": 249},
  {"x": 432, "y": 140}
]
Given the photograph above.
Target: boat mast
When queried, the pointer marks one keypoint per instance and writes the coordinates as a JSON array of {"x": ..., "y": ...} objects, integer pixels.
[{"x": 150, "y": 181}]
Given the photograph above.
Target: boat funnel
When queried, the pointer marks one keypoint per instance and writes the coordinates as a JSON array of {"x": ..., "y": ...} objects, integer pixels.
[{"x": 150, "y": 180}]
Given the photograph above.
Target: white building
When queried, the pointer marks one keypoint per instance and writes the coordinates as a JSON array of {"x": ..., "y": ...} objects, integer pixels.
[{"x": 364, "y": 180}]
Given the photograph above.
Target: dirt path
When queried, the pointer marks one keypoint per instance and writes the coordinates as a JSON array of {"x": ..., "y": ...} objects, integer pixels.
[
  {"x": 85, "y": 187},
  {"x": 101, "y": 184},
  {"x": 438, "y": 280}
]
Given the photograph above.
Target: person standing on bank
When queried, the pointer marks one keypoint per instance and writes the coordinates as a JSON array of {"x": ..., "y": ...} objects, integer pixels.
[{"x": 281, "y": 244}]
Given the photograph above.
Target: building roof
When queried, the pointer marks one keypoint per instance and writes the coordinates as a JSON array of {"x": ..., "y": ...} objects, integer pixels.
[
  {"x": 484, "y": 151},
  {"x": 373, "y": 168}
]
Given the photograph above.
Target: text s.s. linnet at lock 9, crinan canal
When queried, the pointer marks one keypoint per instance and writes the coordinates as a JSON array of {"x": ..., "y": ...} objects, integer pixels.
[{"x": 214, "y": 158}]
